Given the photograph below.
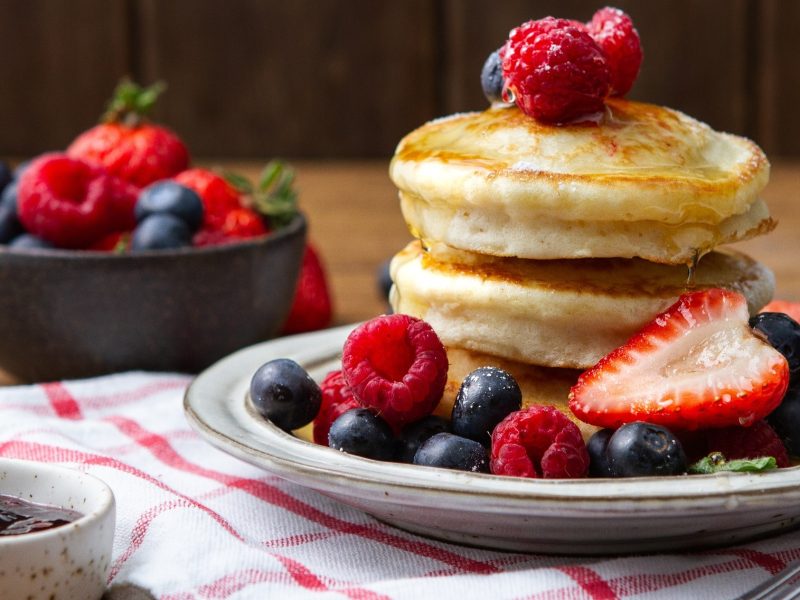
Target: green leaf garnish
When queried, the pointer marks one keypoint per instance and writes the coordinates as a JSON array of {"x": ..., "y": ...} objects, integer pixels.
[{"x": 716, "y": 463}]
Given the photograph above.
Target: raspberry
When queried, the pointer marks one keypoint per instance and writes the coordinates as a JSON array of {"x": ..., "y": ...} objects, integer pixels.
[
  {"x": 337, "y": 399},
  {"x": 73, "y": 203},
  {"x": 538, "y": 441},
  {"x": 614, "y": 32},
  {"x": 397, "y": 366},
  {"x": 555, "y": 70},
  {"x": 747, "y": 442}
]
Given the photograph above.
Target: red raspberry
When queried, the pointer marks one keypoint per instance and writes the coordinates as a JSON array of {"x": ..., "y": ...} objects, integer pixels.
[
  {"x": 539, "y": 441},
  {"x": 555, "y": 70},
  {"x": 73, "y": 203},
  {"x": 337, "y": 399},
  {"x": 747, "y": 442},
  {"x": 396, "y": 365},
  {"x": 614, "y": 32}
]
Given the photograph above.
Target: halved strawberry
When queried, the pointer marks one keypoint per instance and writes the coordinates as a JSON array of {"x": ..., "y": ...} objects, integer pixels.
[{"x": 697, "y": 365}]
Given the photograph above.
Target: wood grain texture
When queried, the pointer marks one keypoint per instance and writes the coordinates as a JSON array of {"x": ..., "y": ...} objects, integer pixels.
[
  {"x": 332, "y": 78},
  {"x": 347, "y": 78},
  {"x": 60, "y": 62},
  {"x": 778, "y": 77},
  {"x": 695, "y": 51}
]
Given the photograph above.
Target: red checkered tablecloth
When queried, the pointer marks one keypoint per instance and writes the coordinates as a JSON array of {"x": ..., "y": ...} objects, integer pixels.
[{"x": 193, "y": 522}]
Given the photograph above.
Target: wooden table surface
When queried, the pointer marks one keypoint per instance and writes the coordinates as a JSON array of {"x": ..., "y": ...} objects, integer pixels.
[{"x": 356, "y": 224}]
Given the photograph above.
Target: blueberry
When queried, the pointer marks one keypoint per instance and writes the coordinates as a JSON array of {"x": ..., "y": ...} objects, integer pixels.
[
  {"x": 414, "y": 434},
  {"x": 384, "y": 280},
  {"x": 161, "y": 232},
  {"x": 449, "y": 451},
  {"x": 360, "y": 432},
  {"x": 26, "y": 240},
  {"x": 492, "y": 78},
  {"x": 284, "y": 393},
  {"x": 169, "y": 197},
  {"x": 486, "y": 397},
  {"x": 783, "y": 334},
  {"x": 786, "y": 420},
  {"x": 641, "y": 449},
  {"x": 5, "y": 175},
  {"x": 598, "y": 459},
  {"x": 10, "y": 227}
]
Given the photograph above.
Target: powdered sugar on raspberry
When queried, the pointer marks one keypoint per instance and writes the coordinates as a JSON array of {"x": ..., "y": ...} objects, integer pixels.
[{"x": 555, "y": 71}]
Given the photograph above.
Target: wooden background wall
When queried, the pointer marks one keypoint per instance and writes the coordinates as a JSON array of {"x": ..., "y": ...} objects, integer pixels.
[{"x": 347, "y": 78}]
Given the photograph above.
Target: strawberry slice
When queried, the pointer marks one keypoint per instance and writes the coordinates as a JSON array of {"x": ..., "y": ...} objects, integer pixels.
[{"x": 697, "y": 365}]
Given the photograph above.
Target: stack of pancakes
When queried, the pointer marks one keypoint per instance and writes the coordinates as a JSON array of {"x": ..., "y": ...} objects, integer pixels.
[{"x": 542, "y": 248}]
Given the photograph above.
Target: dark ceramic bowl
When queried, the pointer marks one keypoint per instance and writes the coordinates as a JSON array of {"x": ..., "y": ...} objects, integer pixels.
[{"x": 67, "y": 314}]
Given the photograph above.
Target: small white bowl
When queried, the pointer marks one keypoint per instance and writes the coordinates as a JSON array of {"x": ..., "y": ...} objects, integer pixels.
[{"x": 69, "y": 562}]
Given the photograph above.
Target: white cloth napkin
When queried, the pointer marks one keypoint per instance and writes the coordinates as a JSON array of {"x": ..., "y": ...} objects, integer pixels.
[{"x": 193, "y": 522}]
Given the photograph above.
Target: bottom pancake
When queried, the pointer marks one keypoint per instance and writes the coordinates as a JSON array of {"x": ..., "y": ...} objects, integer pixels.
[
  {"x": 539, "y": 385},
  {"x": 554, "y": 313}
]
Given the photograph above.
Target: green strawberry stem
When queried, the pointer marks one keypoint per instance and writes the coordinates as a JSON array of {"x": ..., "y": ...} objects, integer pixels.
[
  {"x": 274, "y": 196},
  {"x": 131, "y": 103}
]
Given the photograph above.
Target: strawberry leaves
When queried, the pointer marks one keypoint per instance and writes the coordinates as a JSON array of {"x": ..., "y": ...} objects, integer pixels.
[
  {"x": 274, "y": 195},
  {"x": 131, "y": 102}
]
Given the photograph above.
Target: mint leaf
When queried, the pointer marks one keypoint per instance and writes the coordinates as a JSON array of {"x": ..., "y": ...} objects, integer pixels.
[{"x": 716, "y": 463}]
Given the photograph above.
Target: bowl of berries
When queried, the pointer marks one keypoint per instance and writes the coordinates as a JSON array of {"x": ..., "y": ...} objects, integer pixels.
[{"x": 117, "y": 255}]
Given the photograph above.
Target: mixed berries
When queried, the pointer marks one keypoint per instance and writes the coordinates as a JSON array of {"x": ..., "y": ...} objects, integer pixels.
[
  {"x": 678, "y": 398},
  {"x": 561, "y": 71},
  {"x": 126, "y": 186}
]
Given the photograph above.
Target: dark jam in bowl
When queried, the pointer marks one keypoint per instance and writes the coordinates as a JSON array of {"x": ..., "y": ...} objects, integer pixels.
[{"x": 19, "y": 516}]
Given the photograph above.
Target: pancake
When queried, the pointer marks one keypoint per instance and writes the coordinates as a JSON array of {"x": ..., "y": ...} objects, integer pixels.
[
  {"x": 645, "y": 182},
  {"x": 539, "y": 385},
  {"x": 558, "y": 313}
]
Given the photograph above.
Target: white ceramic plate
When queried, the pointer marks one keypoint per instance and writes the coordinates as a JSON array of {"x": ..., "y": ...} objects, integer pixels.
[{"x": 587, "y": 516}]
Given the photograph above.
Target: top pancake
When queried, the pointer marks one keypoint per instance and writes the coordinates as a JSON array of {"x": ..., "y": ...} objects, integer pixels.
[{"x": 641, "y": 164}]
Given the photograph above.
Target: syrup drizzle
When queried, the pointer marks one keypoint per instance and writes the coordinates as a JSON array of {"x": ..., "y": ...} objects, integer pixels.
[{"x": 692, "y": 268}]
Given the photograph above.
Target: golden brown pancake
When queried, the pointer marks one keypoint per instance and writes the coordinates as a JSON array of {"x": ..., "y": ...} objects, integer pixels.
[
  {"x": 645, "y": 182},
  {"x": 539, "y": 385},
  {"x": 559, "y": 313}
]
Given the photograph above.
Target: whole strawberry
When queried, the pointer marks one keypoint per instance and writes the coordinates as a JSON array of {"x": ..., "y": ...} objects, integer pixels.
[
  {"x": 219, "y": 197},
  {"x": 312, "y": 307},
  {"x": 73, "y": 203},
  {"x": 129, "y": 146}
]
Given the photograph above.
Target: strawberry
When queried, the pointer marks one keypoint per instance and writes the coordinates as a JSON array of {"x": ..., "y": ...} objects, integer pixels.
[
  {"x": 127, "y": 145},
  {"x": 312, "y": 308},
  {"x": 73, "y": 203},
  {"x": 697, "y": 365},
  {"x": 219, "y": 197},
  {"x": 792, "y": 309}
]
